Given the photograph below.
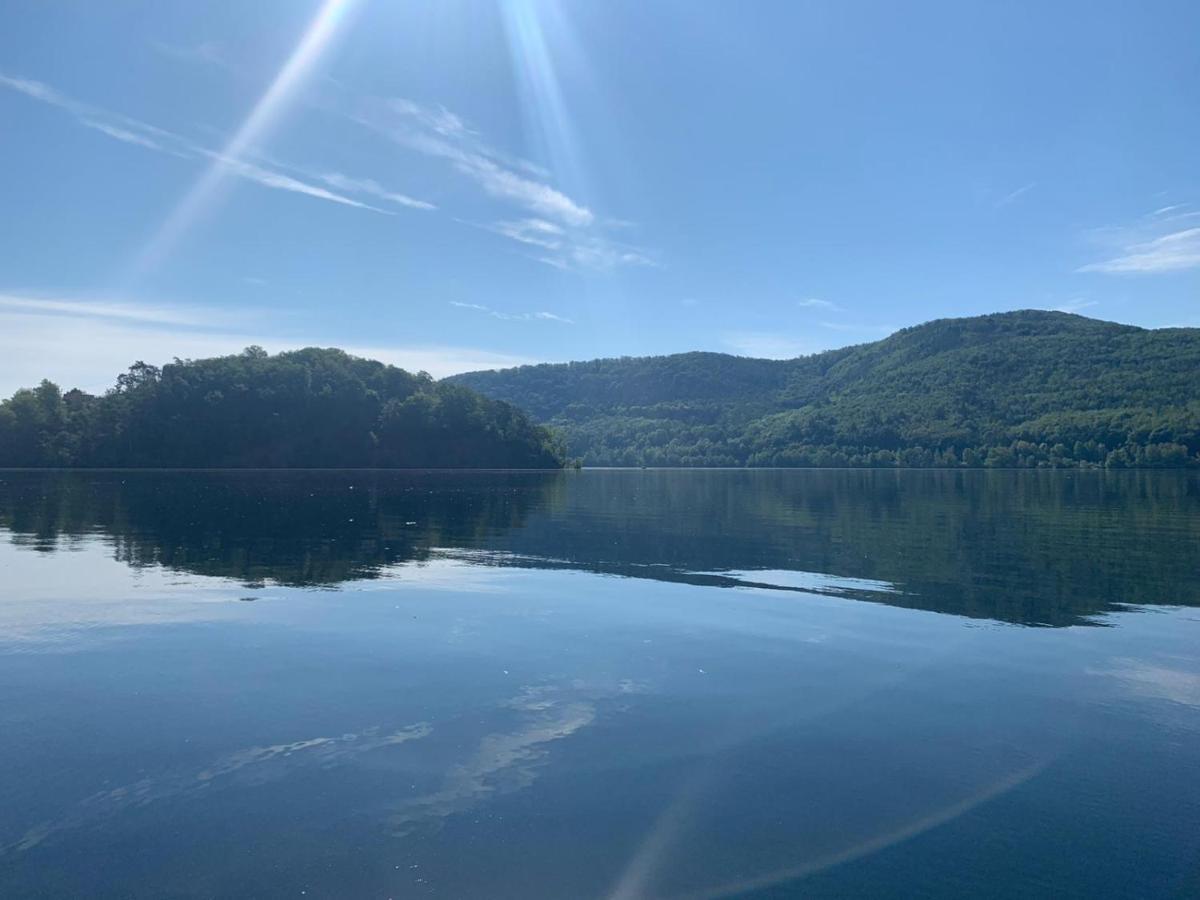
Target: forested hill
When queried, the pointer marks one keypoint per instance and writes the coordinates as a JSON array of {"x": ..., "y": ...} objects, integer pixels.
[
  {"x": 319, "y": 408},
  {"x": 1027, "y": 388}
]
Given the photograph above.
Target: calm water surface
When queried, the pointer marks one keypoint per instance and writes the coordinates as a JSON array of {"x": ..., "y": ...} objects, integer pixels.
[{"x": 609, "y": 684}]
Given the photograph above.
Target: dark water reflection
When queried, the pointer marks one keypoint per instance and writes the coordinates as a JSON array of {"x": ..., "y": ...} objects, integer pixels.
[
  {"x": 602, "y": 684},
  {"x": 1036, "y": 548}
]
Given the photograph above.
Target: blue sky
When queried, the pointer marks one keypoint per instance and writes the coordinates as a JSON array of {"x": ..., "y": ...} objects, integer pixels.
[{"x": 453, "y": 185}]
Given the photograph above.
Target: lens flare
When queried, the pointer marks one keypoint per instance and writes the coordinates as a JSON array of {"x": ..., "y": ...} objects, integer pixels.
[
  {"x": 262, "y": 118},
  {"x": 546, "y": 113}
]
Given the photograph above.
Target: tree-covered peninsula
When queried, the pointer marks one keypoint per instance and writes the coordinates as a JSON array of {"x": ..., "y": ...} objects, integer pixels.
[
  {"x": 1020, "y": 389},
  {"x": 307, "y": 408}
]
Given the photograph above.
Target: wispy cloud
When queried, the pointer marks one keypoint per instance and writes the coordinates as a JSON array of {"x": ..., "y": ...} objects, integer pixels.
[
  {"x": 449, "y": 125},
  {"x": 601, "y": 254},
  {"x": 132, "y": 131},
  {"x": 373, "y": 188},
  {"x": 537, "y": 232},
  {"x": 1172, "y": 252},
  {"x": 816, "y": 303},
  {"x": 513, "y": 317},
  {"x": 133, "y": 312},
  {"x": 43, "y": 92},
  {"x": 122, "y": 134},
  {"x": 279, "y": 181},
  {"x": 81, "y": 343},
  {"x": 1167, "y": 216},
  {"x": 119, "y": 126},
  {"x": 571, "y": 249},
  {"x": 571, "y": 233},
  {"x": 440, "y": 133},
  {"x": 537, "y": 197},
  {"x": 567, "y": 233},
  {"x": 1013, "y": 196},
  {"x": 437, "y": 119}
]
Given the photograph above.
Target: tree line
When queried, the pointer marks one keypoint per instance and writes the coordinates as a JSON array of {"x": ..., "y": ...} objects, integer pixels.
[
  {"x": 306, "y": 408},
  {"x": 1028, "y": 389}
]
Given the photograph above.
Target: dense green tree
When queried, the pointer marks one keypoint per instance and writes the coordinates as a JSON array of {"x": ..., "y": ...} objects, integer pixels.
[
  {"x": 308, "y": 408},
  {"x": 1022, "y": 389}
]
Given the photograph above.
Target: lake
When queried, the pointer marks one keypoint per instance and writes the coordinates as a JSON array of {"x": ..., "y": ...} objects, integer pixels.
[{"x": 609, "y": 684}]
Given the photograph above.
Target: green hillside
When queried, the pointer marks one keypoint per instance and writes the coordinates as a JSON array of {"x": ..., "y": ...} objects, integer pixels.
[{"x": 1028, "y": 388}]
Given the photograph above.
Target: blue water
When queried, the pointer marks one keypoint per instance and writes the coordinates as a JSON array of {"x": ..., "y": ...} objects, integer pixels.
[{"x": 608, "y": 684}]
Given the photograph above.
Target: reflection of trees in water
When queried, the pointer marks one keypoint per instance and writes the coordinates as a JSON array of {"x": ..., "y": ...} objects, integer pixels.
[
  {"x": 1030, "y": 547},
  {"x": 295, "y": 528}
]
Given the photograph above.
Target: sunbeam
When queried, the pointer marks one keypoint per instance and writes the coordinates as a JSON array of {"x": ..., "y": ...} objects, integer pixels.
[
  {"x": 546, "y": 113},
  {"x": 265, "y": 114}
]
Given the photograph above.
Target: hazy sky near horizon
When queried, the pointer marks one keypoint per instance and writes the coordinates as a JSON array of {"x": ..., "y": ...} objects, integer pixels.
[{"x": 457, "y": 185}]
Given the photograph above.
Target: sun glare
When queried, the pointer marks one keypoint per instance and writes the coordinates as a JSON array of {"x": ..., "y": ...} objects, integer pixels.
[{"x": 262, "y": 119}]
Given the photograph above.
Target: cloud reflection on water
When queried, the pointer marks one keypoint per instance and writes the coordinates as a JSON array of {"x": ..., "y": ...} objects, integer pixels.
[
  {"x": 502, "y": 761},
  {"x": 244, "y": 768}
]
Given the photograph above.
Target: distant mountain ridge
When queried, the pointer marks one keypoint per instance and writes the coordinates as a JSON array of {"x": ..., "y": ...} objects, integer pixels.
[{"x": 1026, "y": 388}]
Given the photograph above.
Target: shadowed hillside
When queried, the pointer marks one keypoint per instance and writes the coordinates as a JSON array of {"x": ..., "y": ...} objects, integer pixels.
[{"x": 308, "y": 408}]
